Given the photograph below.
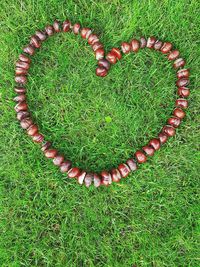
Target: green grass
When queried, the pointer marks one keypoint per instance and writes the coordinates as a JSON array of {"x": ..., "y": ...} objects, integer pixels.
[{"x": 150, "y": 218}]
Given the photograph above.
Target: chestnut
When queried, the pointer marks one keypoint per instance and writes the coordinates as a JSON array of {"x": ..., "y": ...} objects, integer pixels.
[
  {"x": 104, "y": 63},
  {"x": 135, "y": 45},
  {"x": 131, "y": 164},
  {"x": 65, "y": 166},
  {"x": 41, "y": 35},
  {"x": 38, "y": 138},
  {"x": 183, "y": 91},
  {"x": 169, "y": 130},
  {"x": 140, "y": 156},
  {"x": 67, "y": 26},
  {"x": 45, "y": 146},
  {"x": 56, "y": 26},
  {"x": 173, "y": 55},
  {"x": 76, "y": 28},
  {"x": 143, "y": 42},
  {"x": 179, "y": 113},
  {"x": 49, "y": 30},
  {"x": 20, "y": 90},
  {"x": 115, "y": 174},
  {"x": 99, "y": 54},
  {"x": 73, "y": 172},
  {"x": 22, "y": 64},
  {"x": 174, "y": 121},
  {"x": 21, "y": 106},
  {"x": 97, "y": 180},
  {"x": 24, "y": 58},
  {"x": 150, "y": 42},
  {"x": 101, "y": 71},
  {"x": 22, "y": 114},
  {"x": 182, "y": 103},
  {"x": 50, "y": 153},
  {"x": 124, "y": 170},
  {"x": 92, "y": 39},
  {"x": 111, "y": 58},
  {"x": 26, "y": 123},
  {"x": 97, "y": 46},
  {"x": 21, "y": 79},
  {"x": 32, "y": 130},
  {"x": 35, "y": 41},
  {"x": 182, "y": 82},
  {"x": 178, "y": 63},
  {"x": 183, "y": 73},
  {"x": 166, "y": 48},
  {"x": 29, "y": 49},
  {"x": 20, "y": 98},
  {"x": 58, "y": 160},
  {"x": 106, "y": 178},
  {"x": 125, "y": 47},
  {"x": 85, "y": 33},
  {"x": 163, "y": 138},
  {"x": 155, "y": 143},
  {"x": 20, "y": 71},
  {"x": 149, "y": 150},
  {"x": 81, "y": 177},
  {"x": 158, "y": 44},
  {"x": 115, "y": 51},
  {"x": 88, "y": 179}
]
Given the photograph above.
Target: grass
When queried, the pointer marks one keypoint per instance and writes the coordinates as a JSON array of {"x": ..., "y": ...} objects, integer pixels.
[{"x": 150, "y": 218}]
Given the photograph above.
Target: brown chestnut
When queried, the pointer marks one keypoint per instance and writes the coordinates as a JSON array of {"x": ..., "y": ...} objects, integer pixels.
[
  {"x": 24, "y": 58},
  {"x": 45, "y": 146},
  {"x": 182, "y": 82},
  {"x": 93, "y": 38},
  {"x": 22, "y": 114},
  {"x": 41, "y": 35},
  {"x": 22, "y": 64},
  {"x": 173, "y": 55},
  {"x": 140, "y": 156},
  {"x": 32, "y": 130},
  {"x": 57, "y": 26},
  {"x": 88, "y": 179},
  {"x": 76, "y": 28},
  {"x": 178, "y": 63},
  {"x": 67, "y": 26},
  {"x": 135, "y": 45},
  {"x": 183, "y": 91},
  {"x": 155, "y": 143},
  {"x": 35, "y": 41},
  {"x": 149, "y": 150},
  {"x": 125, "y": 47},
  {"x": 131, "y": 164},
  {"x": 97, "y": 46},
  {"x": 38, "y": 138},
  {"x": 81, "y": 177},
  {"x": 49, "y": 30},
  {"x": 104, "y": 63},
  {"x": 99, "y": 54},
  {"x": 115, "y": 174},
  {"x": 158, "y": 44},
  {"x": 143, "y": 42},
  {"x": 29, "y": 50},
  {"x": 106, "y": 178},
  {"x": 111, "y": 58},
  {"x": 20, "y": 98},
  {"x": 182, "y": 103},
  {"x": 166, "y": 48},
  {"x": 124, "y": 170},
  {"x": 150, "y": 42},
  {"x": 20, "y": 71},
  {"x": 21, "y": 79},
  {"x": 115, "y": 51},
  {"x": 26, "y": 123},
  {"x": 169, "y": 130},
  {"x": 163, "y": 138},
  {"x": 73, "y": 172},
  {"x": 20, "y": 90},
  {"x": 85, "y": 33},
  {"x": 97, "y": 180},
  {"x": 21, "y": 106},
  {"x": 179, "y": 113},
  {"x": 183, "y": 73},
  {"x": 66, "y": 166},
  {"x": 50, "y": 153},
  {"x": 101, "y": 71},
  {"x": 58, "y": 160},
  {"x": 174, "y": 121}
]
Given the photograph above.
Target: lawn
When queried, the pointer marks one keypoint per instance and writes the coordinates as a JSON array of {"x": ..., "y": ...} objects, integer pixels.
[{"x": 148, "y": 219}]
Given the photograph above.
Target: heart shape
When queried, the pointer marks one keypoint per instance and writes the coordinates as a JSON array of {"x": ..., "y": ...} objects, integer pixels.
[{"x": 104, "y": 64}]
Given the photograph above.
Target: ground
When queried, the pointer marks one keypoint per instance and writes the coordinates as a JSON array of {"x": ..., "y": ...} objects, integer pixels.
[{"x": 150, "y": 218}]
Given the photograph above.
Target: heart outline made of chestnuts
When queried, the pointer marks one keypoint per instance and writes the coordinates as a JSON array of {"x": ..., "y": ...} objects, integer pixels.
[{"x": 104, "y": 63}]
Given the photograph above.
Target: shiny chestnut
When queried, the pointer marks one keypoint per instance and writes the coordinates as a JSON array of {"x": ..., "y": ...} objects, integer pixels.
[
  {"x": 183, "y": 91},
  {"x": 150, "y": 42},
  {"x": 166, "y": 48},
  {"x": 179, "y": 113},
  {"x": 125, "y": 47},
  {"x": 124, "y": 170},
  {"x": 135, "y": 45},
  {"x": 174, "y": 121},
  {"x": 169, "y": 130},
  {"x": 182, "y": 103},
  {"x": 73, "y": 172},
  {"x": 140, "y": 156}
]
